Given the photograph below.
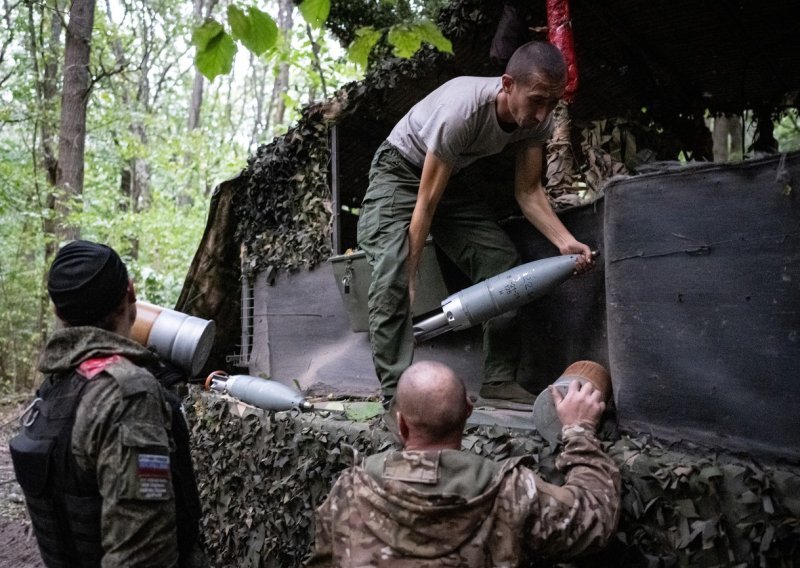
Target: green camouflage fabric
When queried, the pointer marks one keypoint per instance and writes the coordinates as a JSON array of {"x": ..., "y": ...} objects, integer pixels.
[
  {"x": 453, "y": 508},
  {"x": 212, "y": 288},
  {"x": 122, "y": 431}
]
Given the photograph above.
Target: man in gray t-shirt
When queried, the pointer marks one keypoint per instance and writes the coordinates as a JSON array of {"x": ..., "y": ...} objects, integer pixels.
[{"x": 465, "y": 119}]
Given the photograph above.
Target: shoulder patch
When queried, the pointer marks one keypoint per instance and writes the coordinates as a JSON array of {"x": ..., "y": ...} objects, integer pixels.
[{"x": 90, "y": 368}]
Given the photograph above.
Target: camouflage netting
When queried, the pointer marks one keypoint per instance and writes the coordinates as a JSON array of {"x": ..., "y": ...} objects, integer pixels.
[
  {"x": 284, "y": 210},
  {"x": 211, "y": 289},
  {"x": 262, "y": 474}
]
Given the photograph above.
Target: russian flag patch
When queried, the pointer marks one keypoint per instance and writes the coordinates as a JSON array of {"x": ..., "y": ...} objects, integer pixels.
[{"x": 154, "y": 476}]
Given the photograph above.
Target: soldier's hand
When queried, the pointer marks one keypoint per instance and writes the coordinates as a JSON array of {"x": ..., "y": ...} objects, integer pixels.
[
  {"x": 582, "y": 405},
  {"x": 585, "y": 260}
]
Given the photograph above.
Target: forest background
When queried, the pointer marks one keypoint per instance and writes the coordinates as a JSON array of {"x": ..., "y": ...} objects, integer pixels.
[
  {"x": 158, "y": 134},
  {"x": 173, "y": 96}
]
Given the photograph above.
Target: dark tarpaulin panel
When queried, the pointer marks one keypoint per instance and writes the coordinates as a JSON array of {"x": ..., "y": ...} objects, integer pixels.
[
  {"x": 212, "y": 289},
  {"x": 703, "y": 304},
  {"x": 569, "y": 323}
]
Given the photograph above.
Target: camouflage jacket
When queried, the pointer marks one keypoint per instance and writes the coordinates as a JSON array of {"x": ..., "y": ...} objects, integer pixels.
[
  {"x": 453, "y": 508},
  {"x": 122, "y": 434}
]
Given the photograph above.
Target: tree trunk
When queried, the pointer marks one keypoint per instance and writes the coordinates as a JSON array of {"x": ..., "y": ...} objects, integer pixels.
[
  {"x": 74, "y": 98},
  {"x": 199, "y": 12},
  {"x": 281, "y": 86},
  {"x": 46, "y": 92},
  {"x": 317, "y": 65},
  {"x": 46, "y": 89},
  {"x": 196, "y": 102}
]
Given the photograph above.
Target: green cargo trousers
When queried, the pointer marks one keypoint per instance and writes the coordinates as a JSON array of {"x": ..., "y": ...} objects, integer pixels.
[{"x": 462, "y": 228}]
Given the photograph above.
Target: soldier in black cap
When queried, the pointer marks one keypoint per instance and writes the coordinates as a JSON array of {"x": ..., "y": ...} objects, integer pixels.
[{"x": 103, "y": 455}]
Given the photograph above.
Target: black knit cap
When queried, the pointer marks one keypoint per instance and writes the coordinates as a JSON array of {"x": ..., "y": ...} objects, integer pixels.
[{"x": 86, "y": 282}]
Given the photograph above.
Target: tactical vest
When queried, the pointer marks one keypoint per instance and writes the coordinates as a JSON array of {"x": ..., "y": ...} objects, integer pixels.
[{"x": 64, "y": 501}]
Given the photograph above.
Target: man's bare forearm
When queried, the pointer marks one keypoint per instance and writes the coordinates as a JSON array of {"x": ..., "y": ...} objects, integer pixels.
[
  {"x": 435, "y": 174},
  {"x": 537, "y": 210}
]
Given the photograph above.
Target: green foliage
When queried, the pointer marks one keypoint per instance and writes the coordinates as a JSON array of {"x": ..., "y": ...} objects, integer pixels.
[
  {"x": 256, "y": 30},
  {"x": 366, "y": 39},
  {"x": 136, "y": 128},
  {"x": 347, "y": 17},
  {"x": 431, "y": 34},
  {"x": 23, "y": 313},
  {"x": 408, "y": 38},
  {"x": 262, "y": 475},
  {"x": 363, "y": 411},
  {"x": 215, "y": 49},
  {"x": 315, "y": 12},
  {"x": 136, "y": 119},
  {"x": 404, "y": 39}
]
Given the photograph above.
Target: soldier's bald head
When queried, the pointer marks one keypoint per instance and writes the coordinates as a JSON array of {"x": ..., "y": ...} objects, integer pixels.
[{"x": 432, "y": 400}]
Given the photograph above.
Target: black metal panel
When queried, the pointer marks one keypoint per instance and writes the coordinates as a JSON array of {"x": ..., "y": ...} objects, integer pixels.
[
  {"x": 569, "y": 324},
  {"x": 703, "y": 293}
]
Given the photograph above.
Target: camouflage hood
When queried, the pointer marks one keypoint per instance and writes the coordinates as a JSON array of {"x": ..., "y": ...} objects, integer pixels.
[
  {"x": 67, "y": 348},
  {"x": 427, "y": 504}
]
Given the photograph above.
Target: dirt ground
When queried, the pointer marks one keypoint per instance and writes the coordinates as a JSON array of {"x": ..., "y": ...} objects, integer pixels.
[{"x": 17, "y": 543}]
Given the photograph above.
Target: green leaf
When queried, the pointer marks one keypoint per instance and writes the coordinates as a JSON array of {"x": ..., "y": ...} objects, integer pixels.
[
  {"x": 216, "y": 55},
  {"x": 315, "y": 12},
  {"x": 359, "y": 50},
  {"x": 431, "y": 34},
  {"x": 256, "y": 29},
  {"x": 239, "y": 22},
  {"x": 264, "y": 26},
  {"x": 203, "y": 34},
  {"x": 405, "y": 40}
]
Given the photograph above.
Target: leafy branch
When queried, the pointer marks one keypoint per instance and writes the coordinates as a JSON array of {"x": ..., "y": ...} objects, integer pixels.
[
  {"x": 216, "y": 48},
  {"x": 405, "y": 38},
  {"x": 258, "y": 32}
]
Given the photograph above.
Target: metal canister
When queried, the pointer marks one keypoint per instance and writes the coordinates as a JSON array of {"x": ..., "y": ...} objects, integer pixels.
[
  {"x": 545, "y": 417},
  {"x": 181, "y": 339}
]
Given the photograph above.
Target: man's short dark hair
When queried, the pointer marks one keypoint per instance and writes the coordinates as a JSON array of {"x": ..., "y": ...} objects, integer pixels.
[{"x": 537, "y": 58}]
